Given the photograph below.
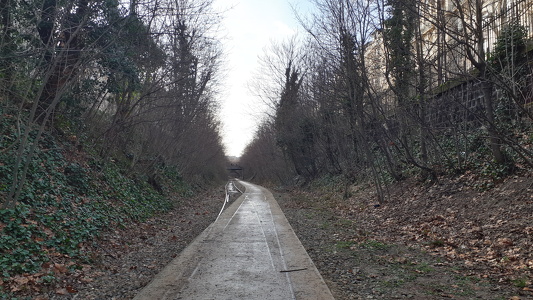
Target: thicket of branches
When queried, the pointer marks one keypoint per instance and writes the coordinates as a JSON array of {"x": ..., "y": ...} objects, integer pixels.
[
  {"x": 388, "y": 89},
  {"x": 135, "y": 79}
]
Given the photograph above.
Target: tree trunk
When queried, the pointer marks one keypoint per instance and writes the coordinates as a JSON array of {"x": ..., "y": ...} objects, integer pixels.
[
  {"x": 495, "y": 142},
  {"x": 6, "y": 47}
]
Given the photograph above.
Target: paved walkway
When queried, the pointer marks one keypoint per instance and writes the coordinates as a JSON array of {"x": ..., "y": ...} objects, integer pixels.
[{"x": 250, "y": 252}]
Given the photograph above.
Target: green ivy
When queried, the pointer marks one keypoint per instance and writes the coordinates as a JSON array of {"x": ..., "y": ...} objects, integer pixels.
[
  {"x": 65, "y": 204},
  {"x": 20, "y": 249},
  {"x": 509, "y": 46},
  {"x": 62, "y": 206}
]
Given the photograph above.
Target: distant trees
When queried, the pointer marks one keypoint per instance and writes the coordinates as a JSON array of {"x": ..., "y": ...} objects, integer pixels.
[
  {"x": 398, "y": 86},
  {"x": 263, "y": 158},
  {"x": 135, "y": 79}
]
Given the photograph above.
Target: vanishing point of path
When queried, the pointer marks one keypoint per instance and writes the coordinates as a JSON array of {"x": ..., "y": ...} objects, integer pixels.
[{"x": 250, "y": 252}]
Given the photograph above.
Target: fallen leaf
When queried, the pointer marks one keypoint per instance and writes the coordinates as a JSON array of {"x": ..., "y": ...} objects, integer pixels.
[
  {"x": 15, "y": 289},
  {"x": 59, "y": 268},
  {"x": 62, "y": 291},
  {"x": 504, "y": 242},
  {"x": 86, "y": 280},
  {"x": 21, "y": 280}
]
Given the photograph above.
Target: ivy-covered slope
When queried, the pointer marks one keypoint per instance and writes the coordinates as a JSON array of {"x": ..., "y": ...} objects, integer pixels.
[{"x": 69, "y": 198}]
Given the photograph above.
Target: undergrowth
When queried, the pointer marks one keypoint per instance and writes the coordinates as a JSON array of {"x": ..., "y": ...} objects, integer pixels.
[{"x": 68, "y": 200}]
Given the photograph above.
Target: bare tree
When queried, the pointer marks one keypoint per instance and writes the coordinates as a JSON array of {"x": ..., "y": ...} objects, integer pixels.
[
  {"x": 144, "y": 74},
  {"x": 62, "y": 33}
]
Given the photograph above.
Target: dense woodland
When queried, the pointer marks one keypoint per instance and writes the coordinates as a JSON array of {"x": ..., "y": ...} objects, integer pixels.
[
  {"x": 133, "y": 82},
  {"x": 107, "y": 107},
  {"x": 384, "y": 90}
]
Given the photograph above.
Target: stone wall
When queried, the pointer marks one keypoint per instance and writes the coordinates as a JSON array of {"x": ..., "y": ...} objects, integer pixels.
[{"x": 461, "y": 105}]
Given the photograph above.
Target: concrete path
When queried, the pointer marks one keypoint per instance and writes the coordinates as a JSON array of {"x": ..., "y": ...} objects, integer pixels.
[{"x": 250, "y": 252}]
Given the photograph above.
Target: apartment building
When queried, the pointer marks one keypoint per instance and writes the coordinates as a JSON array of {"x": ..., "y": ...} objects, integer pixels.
[
  {"x": 457, "y": 32},
  {"x": 454, "y": 35}
]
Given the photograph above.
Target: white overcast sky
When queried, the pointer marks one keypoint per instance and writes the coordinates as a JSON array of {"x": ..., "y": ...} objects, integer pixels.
[{"x": 249, "y": 27}]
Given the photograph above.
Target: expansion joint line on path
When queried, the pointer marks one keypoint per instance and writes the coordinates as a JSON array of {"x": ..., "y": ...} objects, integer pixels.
[
  {"x": 282, "y": 258},
  {"x": 233, "y": 216}
]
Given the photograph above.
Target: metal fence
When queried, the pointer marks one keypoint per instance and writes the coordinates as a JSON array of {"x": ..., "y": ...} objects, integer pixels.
[{"x": 502, "y": 13}]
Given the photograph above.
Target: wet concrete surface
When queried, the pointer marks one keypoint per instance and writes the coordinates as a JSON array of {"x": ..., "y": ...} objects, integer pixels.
[{"x": 249, "y": 252}]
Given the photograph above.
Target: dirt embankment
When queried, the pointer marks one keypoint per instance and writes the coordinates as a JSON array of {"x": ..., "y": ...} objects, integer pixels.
[
  {"x": 125, "y": 260},
  {"x": 442, "y": 241},
  {"x": 446, "y": 240}
]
